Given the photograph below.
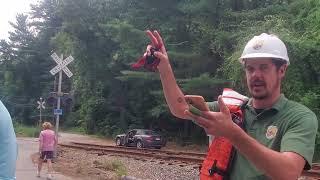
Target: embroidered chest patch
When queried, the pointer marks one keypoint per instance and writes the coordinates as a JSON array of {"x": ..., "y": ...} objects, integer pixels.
[{"x": 271, "y": 132}]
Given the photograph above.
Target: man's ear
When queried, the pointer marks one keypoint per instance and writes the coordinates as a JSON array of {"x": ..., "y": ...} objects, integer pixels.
[{"x": 282, "y": 70}]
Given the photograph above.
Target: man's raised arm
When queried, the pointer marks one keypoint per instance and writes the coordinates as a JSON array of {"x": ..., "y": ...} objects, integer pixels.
[{"x": 173, "y": 94}]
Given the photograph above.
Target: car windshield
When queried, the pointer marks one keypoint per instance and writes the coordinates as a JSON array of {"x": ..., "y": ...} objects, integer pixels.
[{"x": 149, "y": 132}]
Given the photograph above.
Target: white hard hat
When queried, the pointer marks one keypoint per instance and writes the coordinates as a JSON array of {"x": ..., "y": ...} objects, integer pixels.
[{"x": 265, "y": 46}]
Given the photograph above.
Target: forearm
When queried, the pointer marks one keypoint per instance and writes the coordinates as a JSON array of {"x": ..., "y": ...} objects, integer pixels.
[
  {"x": 271, "y": 162},
  {"x": 173, "y": 94}
]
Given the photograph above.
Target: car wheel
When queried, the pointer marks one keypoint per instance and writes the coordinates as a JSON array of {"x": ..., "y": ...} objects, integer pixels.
[
  {"x": 139, "y": 144},
  {"x": 118, "y": 142}
]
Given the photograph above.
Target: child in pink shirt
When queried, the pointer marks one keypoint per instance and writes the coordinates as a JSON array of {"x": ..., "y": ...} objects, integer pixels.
[{"x": 47, "y": 144}]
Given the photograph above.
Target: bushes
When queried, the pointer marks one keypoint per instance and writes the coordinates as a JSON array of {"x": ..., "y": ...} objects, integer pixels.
[{"x": 26, "y": 131}]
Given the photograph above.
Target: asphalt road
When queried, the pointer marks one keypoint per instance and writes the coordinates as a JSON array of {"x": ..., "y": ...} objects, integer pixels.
[{"x": 25, "y": 169}]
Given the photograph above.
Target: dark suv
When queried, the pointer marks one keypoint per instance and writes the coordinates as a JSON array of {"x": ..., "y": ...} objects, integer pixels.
[{"x": 141, "y": 138}]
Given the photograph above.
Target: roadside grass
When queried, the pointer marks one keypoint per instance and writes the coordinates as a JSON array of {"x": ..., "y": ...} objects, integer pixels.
[
  {"x": 25, "y": 131},
  {"x": 99, "y": 136},
  {"x": 75, "y": 130},
  {"x": 112, "y": 165},
  {"x": 82, "y": 131}
]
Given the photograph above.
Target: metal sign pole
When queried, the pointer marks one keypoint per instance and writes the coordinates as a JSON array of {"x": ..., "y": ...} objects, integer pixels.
[
  {"x": 61, "y": 66},
  {"x": 58, "y": 102},
  {"x": 40, "y": 120},
  {"x": 40, "y": 107}
]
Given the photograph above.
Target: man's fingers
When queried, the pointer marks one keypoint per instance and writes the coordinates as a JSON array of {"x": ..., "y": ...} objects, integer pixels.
[
  {"x": 160, "y": 41},
  {"x": 160, "y": 55},
  {"x": 149, "y": 47},
  {"x": 190, "y": 114},
  {"x": 157, "y": 41},
  {"x": 188, "y": 99},
  {"x": 209, "y": 115},
  {"x": 197, "y": 119},
  {"x": 223, "y": 108},
  {"x": 148, "y": 50},
  {"x": 153, "y": 39}
]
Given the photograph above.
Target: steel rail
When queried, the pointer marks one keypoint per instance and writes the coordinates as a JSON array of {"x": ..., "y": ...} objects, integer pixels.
[
  {"x": 169, "y": 152},
  {"x": 136, "y": 152}
]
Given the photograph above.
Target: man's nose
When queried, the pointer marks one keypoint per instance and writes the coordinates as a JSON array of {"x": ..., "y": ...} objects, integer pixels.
[{"x": 256, "y": 73}]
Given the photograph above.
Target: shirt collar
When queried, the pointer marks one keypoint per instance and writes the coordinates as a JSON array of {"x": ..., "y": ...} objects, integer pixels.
[
  {"x": 280, "y": 103},
  {"x": 277, "y": 106}
]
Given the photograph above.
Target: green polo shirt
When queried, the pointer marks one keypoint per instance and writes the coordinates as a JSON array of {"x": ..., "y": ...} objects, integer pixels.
[{"x": 286, "y": 127}]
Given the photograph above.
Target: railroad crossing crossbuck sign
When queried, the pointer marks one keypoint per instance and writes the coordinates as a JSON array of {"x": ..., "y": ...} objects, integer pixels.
[
  {"x": 62, "y": 65},
  {"x": 41, "y": 105}
]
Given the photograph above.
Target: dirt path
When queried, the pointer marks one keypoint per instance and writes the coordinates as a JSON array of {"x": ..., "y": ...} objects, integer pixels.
[
  {"x": 69, "y": 137},
  {"x": 26, "y": 163}
]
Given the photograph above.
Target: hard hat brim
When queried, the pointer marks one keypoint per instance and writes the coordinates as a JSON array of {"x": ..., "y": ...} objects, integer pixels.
[{"x": 262, "y": 55}]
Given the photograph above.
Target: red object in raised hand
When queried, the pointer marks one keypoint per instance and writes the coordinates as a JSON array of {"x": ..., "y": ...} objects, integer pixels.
[{"x": 149, "y": 61}]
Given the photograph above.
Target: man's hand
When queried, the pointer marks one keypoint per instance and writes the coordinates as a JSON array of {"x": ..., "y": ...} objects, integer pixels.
[
  {"x": 215, "y": 123},
  {"x": 157, "y": 42}
]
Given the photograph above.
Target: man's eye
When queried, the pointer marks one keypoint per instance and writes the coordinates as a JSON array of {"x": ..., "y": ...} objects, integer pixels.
[
  {"x": 249, "y": 69},
  {"x": 264, "y": 68}
]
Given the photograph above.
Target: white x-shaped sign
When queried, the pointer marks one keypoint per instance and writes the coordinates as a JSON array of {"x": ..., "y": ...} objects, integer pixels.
[
  {"x": 62, "y": 65},
  {"x": 41, "y": 105}
]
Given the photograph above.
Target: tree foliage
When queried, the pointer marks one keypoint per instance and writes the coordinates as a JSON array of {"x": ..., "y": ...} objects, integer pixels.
[{"x": 204, "y": 39}]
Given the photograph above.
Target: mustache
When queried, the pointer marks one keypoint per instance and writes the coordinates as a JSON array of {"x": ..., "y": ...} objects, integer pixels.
[{"x": 257, "y": 81}]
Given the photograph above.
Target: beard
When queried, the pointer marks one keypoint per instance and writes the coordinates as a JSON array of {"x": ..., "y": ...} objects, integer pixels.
[
  {"x": 259, "y": 89},
  {"x": 260, "y": 96}
]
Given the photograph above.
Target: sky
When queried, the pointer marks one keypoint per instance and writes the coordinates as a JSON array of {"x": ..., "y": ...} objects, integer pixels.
[{"x": 8, "y": 12}]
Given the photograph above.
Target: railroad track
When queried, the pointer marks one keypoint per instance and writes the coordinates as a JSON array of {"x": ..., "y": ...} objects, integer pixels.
[
  {"x": 182, "y": 153},
  {"x": 172, "y": 156}
]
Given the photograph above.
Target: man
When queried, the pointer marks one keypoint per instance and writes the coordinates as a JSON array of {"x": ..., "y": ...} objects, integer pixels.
[
  {"x": 8, "y": 146},
  {"x": 279, "y": 136}
]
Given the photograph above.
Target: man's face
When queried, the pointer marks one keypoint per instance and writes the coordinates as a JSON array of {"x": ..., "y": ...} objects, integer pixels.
[{"x": 263, "y": 78}]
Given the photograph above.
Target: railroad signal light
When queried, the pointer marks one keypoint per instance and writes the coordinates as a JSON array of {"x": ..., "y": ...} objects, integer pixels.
[
  {"x": 51, "y": 100},
  {"x": 67, "y": 102}
]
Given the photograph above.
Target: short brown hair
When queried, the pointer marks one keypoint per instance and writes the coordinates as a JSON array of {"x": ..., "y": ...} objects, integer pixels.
[{"x": 278, "y": 62}]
